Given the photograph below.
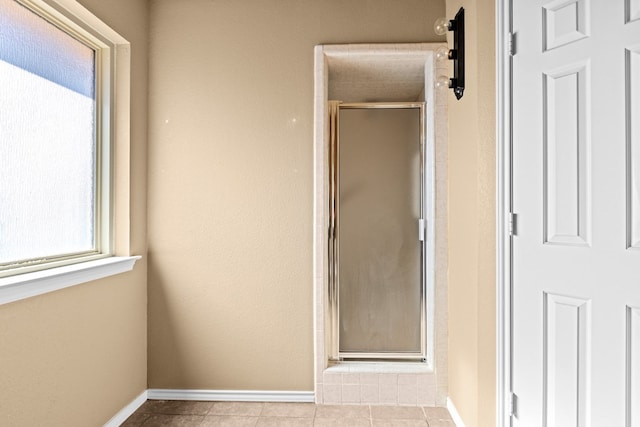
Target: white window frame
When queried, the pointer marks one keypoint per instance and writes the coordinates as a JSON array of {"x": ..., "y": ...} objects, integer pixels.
[{"x": 112, "y": 140}]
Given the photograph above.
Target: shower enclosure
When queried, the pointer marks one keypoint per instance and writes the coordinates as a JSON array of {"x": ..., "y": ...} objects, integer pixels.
[{"x": 376, "y": 231}]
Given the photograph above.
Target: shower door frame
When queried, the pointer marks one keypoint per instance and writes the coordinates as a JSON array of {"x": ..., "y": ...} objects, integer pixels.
[{"x": 335, "y": 354}]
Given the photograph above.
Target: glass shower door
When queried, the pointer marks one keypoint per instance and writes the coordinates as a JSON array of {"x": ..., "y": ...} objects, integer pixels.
[{"x": 379, "y": 250}]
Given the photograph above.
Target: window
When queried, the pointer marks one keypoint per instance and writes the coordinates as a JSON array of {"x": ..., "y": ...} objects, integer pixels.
[
  {"x": 58, "y": 127},
  {"x": 50, "y": 154}
]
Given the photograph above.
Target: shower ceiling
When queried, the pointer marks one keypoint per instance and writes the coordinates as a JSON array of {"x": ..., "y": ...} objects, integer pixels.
[{"x": 376, "y": 78}]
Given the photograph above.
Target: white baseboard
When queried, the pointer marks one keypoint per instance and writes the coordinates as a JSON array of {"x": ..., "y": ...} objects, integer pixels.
[
  {"x": 127, "y": 411},
  {"x": 457, "y": 419},
  {"x": 231, "y": 395}
]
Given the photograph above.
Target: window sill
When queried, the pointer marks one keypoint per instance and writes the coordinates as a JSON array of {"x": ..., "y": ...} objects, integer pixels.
[{"x": 28, "y": 285}]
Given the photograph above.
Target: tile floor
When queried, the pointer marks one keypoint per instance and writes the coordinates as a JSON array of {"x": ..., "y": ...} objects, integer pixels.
[{"x": 155, "y": 413}]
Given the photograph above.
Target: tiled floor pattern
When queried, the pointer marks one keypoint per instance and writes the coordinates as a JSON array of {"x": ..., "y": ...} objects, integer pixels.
[{"x": 156, "y": 413}]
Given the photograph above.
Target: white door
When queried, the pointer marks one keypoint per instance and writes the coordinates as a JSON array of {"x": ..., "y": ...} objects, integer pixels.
[{"x": 576, "y": 193}]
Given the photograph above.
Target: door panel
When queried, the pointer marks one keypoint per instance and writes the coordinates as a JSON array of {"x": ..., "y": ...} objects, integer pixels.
[
  {"x": 566, "y": 160},
  {"x": 633, "y": 10},
  {"x": 564, "y": 22},
  {"x": 380, "y": 290},
  {"x": 633, "y": 140},
  {"x": 633, "y": 365},
  {"x": 567, "y": 325},
  {"x": 575, "y": 272}
]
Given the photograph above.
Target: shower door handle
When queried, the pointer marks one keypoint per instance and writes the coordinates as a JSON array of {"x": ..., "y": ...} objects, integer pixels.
[{"x": 421, "y": 229}]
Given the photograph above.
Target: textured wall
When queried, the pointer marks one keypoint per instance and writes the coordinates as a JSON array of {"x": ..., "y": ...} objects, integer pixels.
[
  {"x": 230, "y": 182},
  {"x": 472, "y": 296},
  {"x": 77, "y": 356}
]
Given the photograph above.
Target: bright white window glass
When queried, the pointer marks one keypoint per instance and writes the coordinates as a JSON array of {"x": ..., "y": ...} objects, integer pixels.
[{"x": 47, "y": 140}]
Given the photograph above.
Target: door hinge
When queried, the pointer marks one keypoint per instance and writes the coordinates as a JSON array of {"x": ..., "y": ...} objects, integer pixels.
[
  {"x": 511, "y": 44},
  {"x": 513, "y": 405},
  {"x": 513, "y": 224},
  {"x": 421, "y": 230}
]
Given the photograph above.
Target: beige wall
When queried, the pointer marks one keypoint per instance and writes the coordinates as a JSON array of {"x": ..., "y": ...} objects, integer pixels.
[
  {"x": 472, "y": 223},
  {"x": 230, "y": 181},
  {"x": 77, "y": 356}
]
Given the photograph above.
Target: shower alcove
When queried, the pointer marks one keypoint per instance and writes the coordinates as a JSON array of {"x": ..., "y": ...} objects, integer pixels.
[{"x": 357, "y": 75}]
